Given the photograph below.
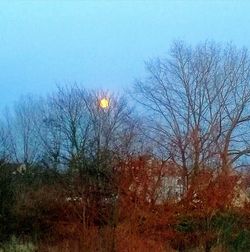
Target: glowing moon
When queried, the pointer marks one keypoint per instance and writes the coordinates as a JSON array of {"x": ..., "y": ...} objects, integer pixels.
[{"x": 104, "y": 103}]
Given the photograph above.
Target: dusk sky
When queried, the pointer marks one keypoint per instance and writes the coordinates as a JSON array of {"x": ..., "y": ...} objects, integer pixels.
[{"x": 103, "y": 44}]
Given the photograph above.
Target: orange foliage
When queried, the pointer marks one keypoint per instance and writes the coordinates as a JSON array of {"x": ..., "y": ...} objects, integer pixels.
[
  {"x": 209, "y": 193},
  {"x": 132, "y": 220}
]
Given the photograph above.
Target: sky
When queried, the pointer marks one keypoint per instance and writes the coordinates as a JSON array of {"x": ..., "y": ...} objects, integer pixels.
[{"x": 103, "y": 44}]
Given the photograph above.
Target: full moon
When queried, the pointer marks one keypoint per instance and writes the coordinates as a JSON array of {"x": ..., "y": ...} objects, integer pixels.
[{"x": 104, "y": 103}]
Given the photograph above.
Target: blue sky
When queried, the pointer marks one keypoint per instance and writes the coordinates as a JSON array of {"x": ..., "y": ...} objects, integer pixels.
[{"x": 103, "y": 44}]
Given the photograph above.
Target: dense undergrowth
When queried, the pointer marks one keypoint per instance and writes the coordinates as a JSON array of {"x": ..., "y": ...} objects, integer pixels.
[{"x": 45, "y": 210}]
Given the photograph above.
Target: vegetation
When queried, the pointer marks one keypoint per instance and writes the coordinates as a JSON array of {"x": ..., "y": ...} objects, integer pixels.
[{"x": 77, "y": 176}]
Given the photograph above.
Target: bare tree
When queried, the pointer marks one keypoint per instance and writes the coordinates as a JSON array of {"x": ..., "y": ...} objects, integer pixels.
[
  {"x": 4, "y": 154},
  {"x": 76, "y": 133},
  {"x": 22, "y": 144},
  {"x": 199, "y": 100},
  {"x": 48, "y": 132},
  {"x": 62, "y": 127}
]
